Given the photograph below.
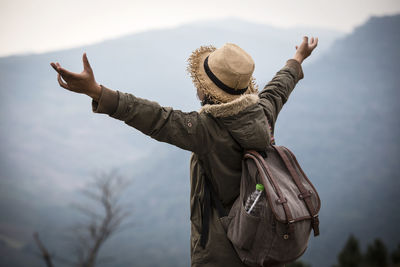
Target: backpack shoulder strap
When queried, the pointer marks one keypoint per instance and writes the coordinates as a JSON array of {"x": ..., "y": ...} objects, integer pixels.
[{"x": 303, "y": 192}]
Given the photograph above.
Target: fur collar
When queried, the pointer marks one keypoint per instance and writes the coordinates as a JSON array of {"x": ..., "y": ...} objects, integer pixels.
[{"x": 231, "y": 108}]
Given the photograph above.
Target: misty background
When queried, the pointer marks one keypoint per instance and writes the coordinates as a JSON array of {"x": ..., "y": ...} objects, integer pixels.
[{"x": 341, "y": 121}]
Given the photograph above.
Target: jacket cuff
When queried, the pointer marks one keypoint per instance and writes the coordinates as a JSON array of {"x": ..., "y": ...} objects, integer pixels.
[
  {"x": 108, "y": 101},
  {"x": 294, "y": 64}
]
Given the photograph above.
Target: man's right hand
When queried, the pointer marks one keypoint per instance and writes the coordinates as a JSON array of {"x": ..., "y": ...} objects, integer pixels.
[
  {"x": 304, "y": 50},
  {"x": 83, "y": 83}
]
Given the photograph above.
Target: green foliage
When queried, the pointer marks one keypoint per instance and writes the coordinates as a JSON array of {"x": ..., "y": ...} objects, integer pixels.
[
  {"x": 350, "y": 256},
  {"x": 395, "y": 256},
  {"x": 376, "y": 255},
  {"x": 298, "y": 264}
]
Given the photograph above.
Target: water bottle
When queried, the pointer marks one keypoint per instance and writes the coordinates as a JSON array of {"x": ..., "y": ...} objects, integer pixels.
[{"x": 253, "y": 202}]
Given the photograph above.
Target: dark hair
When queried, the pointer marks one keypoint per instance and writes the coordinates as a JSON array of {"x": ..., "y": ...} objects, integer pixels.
[{"x": 207, "y": 100}]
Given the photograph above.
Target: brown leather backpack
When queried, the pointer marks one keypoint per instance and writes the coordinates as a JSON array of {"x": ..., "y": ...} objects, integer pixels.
[{"x": 291, "y": 205}]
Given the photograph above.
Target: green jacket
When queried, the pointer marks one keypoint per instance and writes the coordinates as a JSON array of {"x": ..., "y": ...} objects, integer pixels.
[{"x": 217, "y": 136}]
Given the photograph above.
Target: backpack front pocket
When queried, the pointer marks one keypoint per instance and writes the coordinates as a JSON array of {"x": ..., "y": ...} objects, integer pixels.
[{"x": 243, "y": 228}]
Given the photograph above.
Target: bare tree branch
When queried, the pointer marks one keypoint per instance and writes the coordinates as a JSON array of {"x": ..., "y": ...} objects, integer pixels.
[
  {"x": 45, "y": 254},
  {"x": 104, "y": 219},
  {"x": 105, "y": 190}
]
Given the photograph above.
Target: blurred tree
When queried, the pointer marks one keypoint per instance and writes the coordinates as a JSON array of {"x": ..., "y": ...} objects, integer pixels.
[
  {"x": 376, "y": 255},
  {"x": 105, "y": 218},
  {"x": 395, "y": 256},
  {"x": 350, "y": 256}
]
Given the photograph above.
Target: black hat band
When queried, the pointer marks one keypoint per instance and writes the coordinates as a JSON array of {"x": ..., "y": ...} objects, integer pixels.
[{"x": 220, "y": 84}]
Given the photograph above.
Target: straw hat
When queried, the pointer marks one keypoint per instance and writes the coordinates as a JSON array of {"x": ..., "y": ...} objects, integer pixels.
[{"x": 223, "y": 74}]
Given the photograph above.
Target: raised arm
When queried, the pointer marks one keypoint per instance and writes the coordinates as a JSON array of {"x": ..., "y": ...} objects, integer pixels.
[
  {"x": 277, "y": 91},
  {"x": 183, "y": 129}
]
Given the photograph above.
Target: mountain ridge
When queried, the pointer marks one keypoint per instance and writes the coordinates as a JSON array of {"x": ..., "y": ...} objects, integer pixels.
[
  {"x": 51, "y": 142},
  {"x": 228, "y": 23}
]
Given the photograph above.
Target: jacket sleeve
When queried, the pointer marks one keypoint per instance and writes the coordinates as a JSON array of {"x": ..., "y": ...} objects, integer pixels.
[
  {"x": 277, "y": 91},
  {"x": 182, "y": 129}
]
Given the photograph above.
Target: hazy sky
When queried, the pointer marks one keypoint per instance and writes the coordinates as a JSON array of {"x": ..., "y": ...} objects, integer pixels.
[{"x": 43, "y": 25}]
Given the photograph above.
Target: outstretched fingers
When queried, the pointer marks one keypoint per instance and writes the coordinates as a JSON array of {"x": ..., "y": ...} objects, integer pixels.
[
  {"x": 61, "y": 82},
  {"x": 86, "y": 64},
  {"x": 57, "y": 67},
  {"x": 54, "y": 66},
  {"x": 314, "y": 42},
  {"x": 64, "y": 73}
]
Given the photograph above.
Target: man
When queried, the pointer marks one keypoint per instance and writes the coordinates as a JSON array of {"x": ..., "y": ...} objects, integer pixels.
[{"x": 233, "y": 118}]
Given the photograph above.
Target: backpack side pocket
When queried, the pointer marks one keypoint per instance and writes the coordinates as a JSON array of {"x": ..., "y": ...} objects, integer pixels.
[{"x": 243, "y": 228}]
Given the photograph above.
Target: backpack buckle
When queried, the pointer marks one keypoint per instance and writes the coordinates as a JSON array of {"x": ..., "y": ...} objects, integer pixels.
[
  {"x": 315, "y": 224},
  {"x": 281, "y": 200},
  {"x": 305, "y": 194},
  {"x": 290, "y": 230}
]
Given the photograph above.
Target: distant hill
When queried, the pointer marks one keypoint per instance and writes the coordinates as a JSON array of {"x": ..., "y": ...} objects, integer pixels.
[{"x": 341, "y": 121}]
